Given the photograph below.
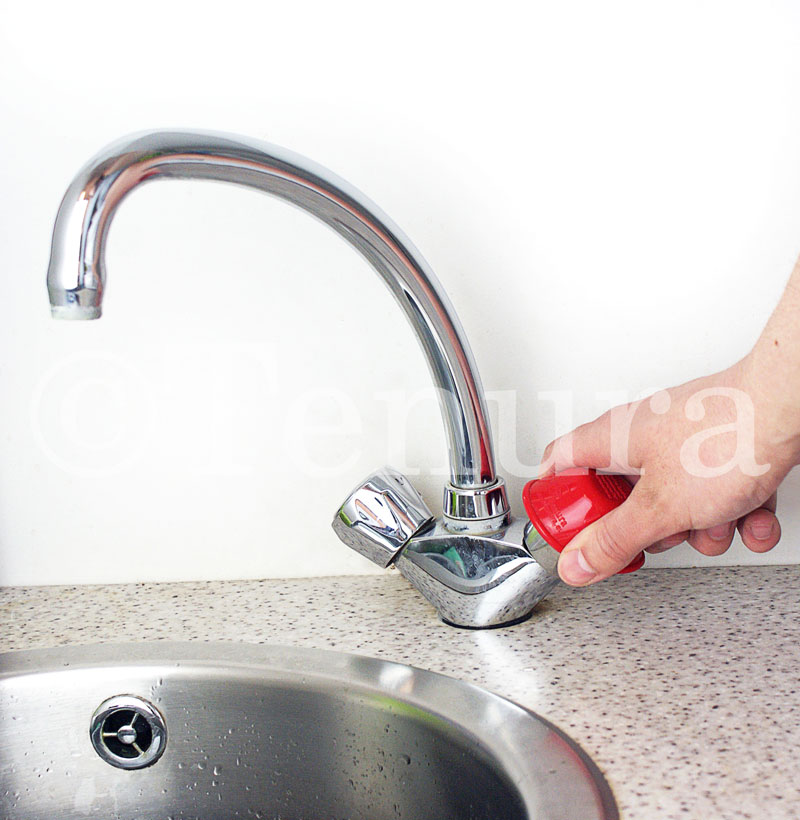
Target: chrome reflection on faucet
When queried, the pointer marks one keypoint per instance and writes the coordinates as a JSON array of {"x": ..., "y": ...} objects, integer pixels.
[{"x": 473, "y": 563}]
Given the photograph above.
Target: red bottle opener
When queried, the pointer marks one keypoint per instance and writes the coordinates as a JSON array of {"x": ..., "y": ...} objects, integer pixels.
[{"x": 561, "y": 505}]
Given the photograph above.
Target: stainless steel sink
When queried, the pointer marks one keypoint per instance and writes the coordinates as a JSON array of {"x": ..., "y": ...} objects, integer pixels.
[{"x": 166, "y": 730}]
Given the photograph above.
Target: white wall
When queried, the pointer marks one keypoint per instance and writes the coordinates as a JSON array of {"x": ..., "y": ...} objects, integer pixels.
[{"x": 610, "y": 193}]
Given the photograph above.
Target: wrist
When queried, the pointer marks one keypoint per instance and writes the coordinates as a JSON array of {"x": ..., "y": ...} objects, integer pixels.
[{"x": 771, "y": 378}]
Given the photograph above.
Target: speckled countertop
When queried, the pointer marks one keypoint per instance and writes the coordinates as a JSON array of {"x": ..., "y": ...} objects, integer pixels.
[{"x": 683, "y": 684}]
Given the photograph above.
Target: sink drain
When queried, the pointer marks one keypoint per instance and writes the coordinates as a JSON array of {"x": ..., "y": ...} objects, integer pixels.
[{"x": 128, "y": 732}]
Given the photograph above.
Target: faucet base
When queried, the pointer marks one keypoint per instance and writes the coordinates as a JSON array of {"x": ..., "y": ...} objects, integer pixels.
[
  {"x": 505, "y": 624},
  {"x": 475, "y": 581},
  {"x": 75, "y": 312},
  {"x": 506, "y": 604}
]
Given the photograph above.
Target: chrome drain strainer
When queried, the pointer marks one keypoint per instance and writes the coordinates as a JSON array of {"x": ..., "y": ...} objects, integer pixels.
[{"x": 128, "y": 732}]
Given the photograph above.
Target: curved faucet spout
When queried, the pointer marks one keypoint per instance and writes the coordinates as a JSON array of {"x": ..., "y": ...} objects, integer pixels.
[{"x": 76, "y": 274}]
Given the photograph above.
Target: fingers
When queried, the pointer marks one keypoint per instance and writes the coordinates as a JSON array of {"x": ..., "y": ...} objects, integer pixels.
[
  {"x": 668, "y": 543},
  {"x": 611, "y": 543},
  {"x": 760, "y": 529},
  {"x": 714, "y": 540}
]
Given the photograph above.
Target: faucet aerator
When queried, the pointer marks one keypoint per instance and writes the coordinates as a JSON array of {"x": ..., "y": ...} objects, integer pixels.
[{"x": 77, "y": 313}]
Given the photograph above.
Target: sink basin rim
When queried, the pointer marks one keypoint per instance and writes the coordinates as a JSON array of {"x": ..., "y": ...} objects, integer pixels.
[{"x": 516, "y": 738}]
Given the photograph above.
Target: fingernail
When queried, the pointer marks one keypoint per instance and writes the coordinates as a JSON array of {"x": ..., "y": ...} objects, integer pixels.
[
  {"x": 574, "y": 570},
  {"x": 720, "y": 533},
  {"x": 762, "y": 529}
]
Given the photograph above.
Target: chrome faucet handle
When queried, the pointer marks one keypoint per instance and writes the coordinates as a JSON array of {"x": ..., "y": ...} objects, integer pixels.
[
  {"x": 381, "y": 515},
  {"x": 477, "y": 580}
]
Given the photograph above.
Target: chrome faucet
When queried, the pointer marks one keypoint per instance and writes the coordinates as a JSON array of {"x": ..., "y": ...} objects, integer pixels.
[{"x": 477, "y": 565}]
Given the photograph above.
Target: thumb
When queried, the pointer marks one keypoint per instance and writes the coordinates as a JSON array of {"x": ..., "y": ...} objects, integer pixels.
[{"x": 612, "y": 542}]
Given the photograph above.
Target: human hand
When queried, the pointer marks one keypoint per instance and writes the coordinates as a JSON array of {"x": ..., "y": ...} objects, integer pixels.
[{"x": 706, "y": 457}]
